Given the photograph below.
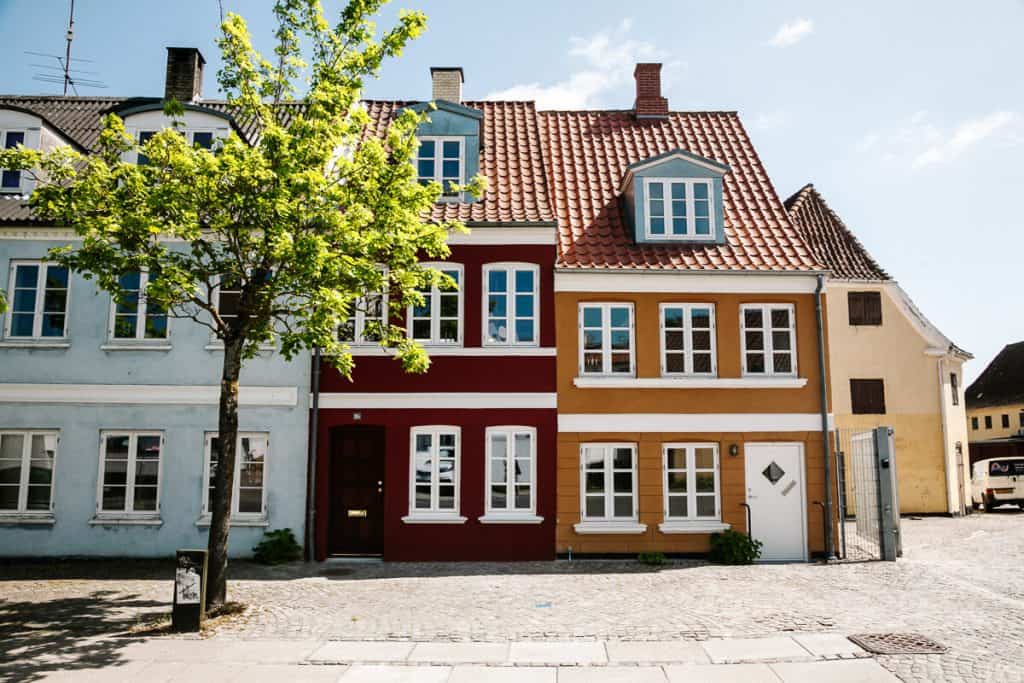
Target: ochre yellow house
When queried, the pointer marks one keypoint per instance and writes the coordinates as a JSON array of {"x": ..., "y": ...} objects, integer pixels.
[
  {"x": 995, "y": 401},
  {"x": 689, "y": 367},
  {"x": 889, "y": 365}
]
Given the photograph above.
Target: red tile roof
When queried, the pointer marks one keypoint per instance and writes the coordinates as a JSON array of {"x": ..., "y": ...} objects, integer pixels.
[
  {"x": 830, "y": 241},
  {"x": 511, "y": 155},
  {"x": 587, "y": 153}
]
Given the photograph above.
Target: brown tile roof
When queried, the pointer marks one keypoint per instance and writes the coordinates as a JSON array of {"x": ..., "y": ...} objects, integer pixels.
[
  {"x": 1002, "y": 382},
  {"x": 587, "y": 155},
  {"x": 830, "y": 240},
  {"x": 511, "y": 155}
]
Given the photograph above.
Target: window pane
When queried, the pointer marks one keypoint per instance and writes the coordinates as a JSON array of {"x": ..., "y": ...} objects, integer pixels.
[
  {"x": 446, "y": 497},
  {"x": 657, "y": 226},
  {"x": 145, "y": 499},
  {"x": 26, "y": 275},
  {"x": 592, "y": 362},
  {"x": 678, "y": 190},
  {"x": 426, "y": 148},
  {"x": 497, "y": 330},
  {"x": 202, "y": 139},
  {"x": 780, "y": 341},
  {"x": 623, "y": 458},
  {"x": 595, "y": 482},
  {"x": 623, "y": 482},
  {"x": 676, "y": 458},
  {"x": 451, "y": 149},
  {"x": 703, "y": 226},
  {"x": 675, "y": 362},
  {"x": 621, "y": 363},
  {"x": 592, "y": 339},
  {"x": 783, "y": 363},
  {"x": 705, "y": 482},
  {"x": 497, "y": 281},
  {"x": 674, "y": 341},
  {"x": 524, "y": 305},
  {"x": 8, "y": 496},
  {"x": 499, "y": 473},
  {"x": 593, "y": 458},
  {"x": 780, "y": 318},
  {"x": 700, "y": 190},
  {"x": 595, "y": 506},
  {"x": 499, "y": 497},
  {"x": 146, "y": 472},
  {"x": 24, "y": 300},
  {"x": 755, "y": 362},
  {"x": 705, "y": 506},
  {"x": 522, "y": 497},
  {"x": 449, "y": 305},
  {"x": 425, "y": 169},
  {"x": 700, "y": 318},
  {"x": 523, "y": 445},
  {"x": 522, "y": 471},
  {"x": 53, "y": 325},
  {"x": 12, "y": 446},
  {"x": 250, "y": 500},
  {"x": 752, "y": 317},
  {"x": 755, "y": 340},
  {"x": 450, "y": 170},
  {"x": 704, "y": 458},
  {"x": 449, "y": 330},
  {"x": 592, "y": 316},
  {"x": 677, "y": 506},
  {"x": 620, "y": 316},
  {"x": 656, "y": 191},
  {"x": 524, "y": 331},
  {"x": 678, "y": 219},
  {"x": 499, "y": 446},
  {"x": 620, "y": 340},
  {"x": 701, "y": 340},
  {"x": 10, "y": 179},
  {"x": 524, "y": 281},
  {"x": 38, "y": 498},
  {"x": 423, "y": 496},
  {"x": 673, "y": 317},
  {"x": 677, "y": 482},
  {"x": 623, "y": 506}
]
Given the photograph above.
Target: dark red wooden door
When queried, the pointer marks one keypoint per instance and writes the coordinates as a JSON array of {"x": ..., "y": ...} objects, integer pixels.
[{"x": 356, "y": 525}]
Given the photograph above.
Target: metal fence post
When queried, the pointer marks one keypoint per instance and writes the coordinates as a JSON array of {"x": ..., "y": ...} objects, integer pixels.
[{"x": 888, "y": 522}]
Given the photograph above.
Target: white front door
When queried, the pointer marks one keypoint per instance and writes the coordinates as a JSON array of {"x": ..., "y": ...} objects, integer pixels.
[{"x": 776, "y": 496}]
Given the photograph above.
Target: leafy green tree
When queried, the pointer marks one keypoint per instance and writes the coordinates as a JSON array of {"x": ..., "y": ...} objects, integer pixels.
[{"x": 303, "y": 221}]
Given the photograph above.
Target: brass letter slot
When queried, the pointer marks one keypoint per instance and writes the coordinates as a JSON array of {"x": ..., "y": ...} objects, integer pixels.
[{"x": 357, "y": 513}]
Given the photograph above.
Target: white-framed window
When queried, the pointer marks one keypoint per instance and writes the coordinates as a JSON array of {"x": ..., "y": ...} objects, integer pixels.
[
  {"x": 28, "y": 459},
  {"x": 201, "y": 137},
  {"x": 691, "y": 483},
  {"x": 441, "y": 159},
  {"x": 227, "y": 297},
  {"x": 369, "y": 315},
  {"x": 439, "y": 319},
  {"x": 434, "y": 464},
  {"x": 137, "y": 319},
  {"x": 10, "y": 181},
  {"x": 38, "y": 301},
  {"x": 511, "y": 304},
  {"x": 249, "y": 498},
  {"x": 511, "y": 471},
  {"x": 129, "y": 479},
  {"x": 678, "y": 208},
  {"x": 606, "y": 339},
  {"x": 688, "y": 340},
  {"x": 768, "y": 339},
  {"x": 608, "y": 482}
]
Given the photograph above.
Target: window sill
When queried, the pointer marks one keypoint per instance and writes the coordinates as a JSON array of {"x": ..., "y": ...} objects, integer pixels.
[
  {"x": 219, "y": 346},
  {"x": 451, "y": 350},
  {"x": 112, "y": 520},
  {"x": 204, "y": 521},
  {"x": 609, "y": 528},
  {"x": 506, "y": 518},
  {"x": 39, "y": 519},
  {"x": 139, "y": 346},
  {"x": 681, "y": 527},
  {"x": 434, "y": 519},
  {"x": 690, "y": 382},
  {"x": 34, "y": 344}
]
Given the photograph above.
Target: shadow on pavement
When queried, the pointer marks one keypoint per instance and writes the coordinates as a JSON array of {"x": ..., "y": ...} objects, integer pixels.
[{"x": 40, "y": 637}]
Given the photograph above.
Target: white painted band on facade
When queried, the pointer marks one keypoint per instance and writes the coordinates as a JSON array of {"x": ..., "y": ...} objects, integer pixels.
[
  {"x": 503, "y": 236},
  {"x": 150, "y": 394},
  {"x": 463, "y": 400},
  {"x": 682, "y": 282},
  {"x": 695, "y": 422}
]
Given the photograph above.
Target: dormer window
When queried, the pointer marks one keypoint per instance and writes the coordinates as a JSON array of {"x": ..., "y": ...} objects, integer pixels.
[
  {"x": 678, "y": 209},
  {"x": 10, "y": 181},
  {"x": 440, "y": 159},
  {"x": 196, "y": 138}
]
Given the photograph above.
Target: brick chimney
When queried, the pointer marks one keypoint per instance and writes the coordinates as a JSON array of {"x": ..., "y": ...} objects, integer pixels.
[
  {"x": 649, "y": 103},
  {"x": 184, "y": 81},
  {"x": 447, "y": 83}
]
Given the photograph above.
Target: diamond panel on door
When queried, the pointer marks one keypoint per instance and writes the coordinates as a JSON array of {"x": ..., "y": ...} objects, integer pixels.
[{"x": 773, "y": 472}]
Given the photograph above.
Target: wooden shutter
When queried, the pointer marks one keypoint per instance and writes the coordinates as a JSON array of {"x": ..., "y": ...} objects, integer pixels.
[
  {"x": 867, "y": 396},
  {"x": 865, "y": 308}
]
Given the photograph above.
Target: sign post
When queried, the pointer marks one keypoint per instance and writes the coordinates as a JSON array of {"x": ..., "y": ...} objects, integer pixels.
[{"x": 189, "y": 591}]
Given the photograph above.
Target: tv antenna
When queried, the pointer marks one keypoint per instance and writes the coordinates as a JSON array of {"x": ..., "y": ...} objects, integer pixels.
[{"x": 62, "y": 73}]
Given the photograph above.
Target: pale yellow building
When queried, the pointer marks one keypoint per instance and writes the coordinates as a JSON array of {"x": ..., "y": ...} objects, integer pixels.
[{"x": 889, "y": 365}]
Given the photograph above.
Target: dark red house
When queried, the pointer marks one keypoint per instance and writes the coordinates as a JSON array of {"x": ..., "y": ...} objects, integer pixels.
[{"x": 459, "y": 463}]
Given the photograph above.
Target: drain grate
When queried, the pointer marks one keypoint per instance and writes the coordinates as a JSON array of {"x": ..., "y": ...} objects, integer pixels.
[{"x": 898, "y": 644}]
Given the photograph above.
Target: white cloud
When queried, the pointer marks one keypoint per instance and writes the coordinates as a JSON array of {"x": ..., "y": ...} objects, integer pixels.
[
  {"x": 770, "y": 120},
  {"x": 918, "y": 141},
  {"x": 792, "y": 33},
  {"x": 965, "y": 136},
  {"x": 608, "y": 58}
]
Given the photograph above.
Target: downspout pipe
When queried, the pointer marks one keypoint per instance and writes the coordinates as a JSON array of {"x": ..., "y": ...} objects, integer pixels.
[
  {"x": 314, "y": 445},
  {"x": 825, "y": 440}
]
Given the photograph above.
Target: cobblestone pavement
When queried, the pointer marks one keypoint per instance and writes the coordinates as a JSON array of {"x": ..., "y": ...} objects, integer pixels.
[{"x": 960, "y": 582}]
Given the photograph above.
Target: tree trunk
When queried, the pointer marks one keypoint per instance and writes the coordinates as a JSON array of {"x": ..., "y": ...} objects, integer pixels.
[{"x": 221, "y": 497}]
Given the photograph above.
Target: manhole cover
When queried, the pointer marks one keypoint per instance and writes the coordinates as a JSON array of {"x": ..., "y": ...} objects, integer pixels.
[{"x": 898, "y": 644}]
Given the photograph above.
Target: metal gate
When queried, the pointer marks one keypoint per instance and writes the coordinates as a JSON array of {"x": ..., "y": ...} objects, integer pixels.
[{"x": 869, "y": 507}]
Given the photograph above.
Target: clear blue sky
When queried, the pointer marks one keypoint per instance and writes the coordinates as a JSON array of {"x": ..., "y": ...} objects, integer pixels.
[{"x": 907, "y": 116}]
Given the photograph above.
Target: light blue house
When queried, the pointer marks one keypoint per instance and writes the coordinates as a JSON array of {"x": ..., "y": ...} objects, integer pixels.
[{"x": 108, "y": 414}]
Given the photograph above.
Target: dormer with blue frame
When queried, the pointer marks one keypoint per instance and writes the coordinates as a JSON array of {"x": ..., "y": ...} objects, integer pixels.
[
  {"x": 449, "y": 149},
  {"x": 675, "y": 197}
]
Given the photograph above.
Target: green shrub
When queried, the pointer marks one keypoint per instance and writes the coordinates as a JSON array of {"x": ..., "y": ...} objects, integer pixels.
[
  {"x": 277, "y": 547},
  {"x": 652, "y": 559},
  {"x": 732, "y": 547}
]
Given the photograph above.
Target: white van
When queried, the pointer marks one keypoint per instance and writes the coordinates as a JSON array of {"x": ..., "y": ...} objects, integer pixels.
[{"x": 997, "y": 481}]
